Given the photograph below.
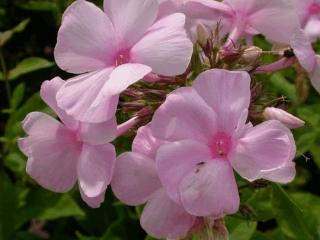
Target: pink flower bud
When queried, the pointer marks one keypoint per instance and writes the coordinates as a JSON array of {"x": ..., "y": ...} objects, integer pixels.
[
  {"x": 251, "y": 54},
  {"x": 271, "y": 113}
]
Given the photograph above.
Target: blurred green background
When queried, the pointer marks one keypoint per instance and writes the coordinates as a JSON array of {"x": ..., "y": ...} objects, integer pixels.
[{"x": 28, "y": 31}]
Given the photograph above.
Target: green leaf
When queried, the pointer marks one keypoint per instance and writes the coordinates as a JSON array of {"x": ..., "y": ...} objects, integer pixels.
[
  {"x": 310, "y": 205},
  {"x": 17, "y": 95},
  {"x": 288, "y": 215},
  {"x": 305, "y": 142},
  {"x": 15, "y": 162},
  {"x": 49, "y": 206},
  {"x": 8, "y": 207},
  {"x": 307, "y": 114},
  {"x": 284, "y": 87},
  {"x": 240, "y": 229},
  {"x": 29, "y": 65},
  {"x": 7, "y": 35}
]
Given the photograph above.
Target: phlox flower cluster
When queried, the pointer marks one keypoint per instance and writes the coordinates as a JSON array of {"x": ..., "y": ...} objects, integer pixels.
[{"x": 194, "y": 128}]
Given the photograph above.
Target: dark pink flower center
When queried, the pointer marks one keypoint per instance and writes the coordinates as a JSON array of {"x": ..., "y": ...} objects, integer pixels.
[
  {"x": 314, "y": 8},
  {"x": 220, "y": 145},
  {"x": 122, "y": 57}
]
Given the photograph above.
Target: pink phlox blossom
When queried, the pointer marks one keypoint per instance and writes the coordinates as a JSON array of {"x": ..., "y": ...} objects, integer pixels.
[
  {"x": 62, "y": 153},
  {"x": 275, "y": 19},
  {"x": 113, "y": 49},
  {"x": 209, "y": 137}
]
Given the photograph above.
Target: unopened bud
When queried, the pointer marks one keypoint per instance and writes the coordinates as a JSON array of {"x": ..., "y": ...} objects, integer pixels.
[
  {"x": 229, "y": 55},
  {"x": 251, "y": 54},
  {"x": 126, "y": 126},
  {"x": 271, "y": 113},
  {"x": 136, "y": 105},
  {"x": 202, "y": 35}
]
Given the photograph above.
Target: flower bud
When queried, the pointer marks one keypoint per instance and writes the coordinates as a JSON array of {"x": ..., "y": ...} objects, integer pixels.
[
  {"x": 271, "y": 113},
  {"x": 202, "y": 35},
  {"x": 251, "y": 54}
]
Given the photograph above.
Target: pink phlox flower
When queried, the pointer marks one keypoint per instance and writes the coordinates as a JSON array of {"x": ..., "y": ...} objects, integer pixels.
[
  {"x": 209, "y": 137},
  {"x": 276, "y": 19},
  {"x": 114, "y": 49},
  {"x": 62, "y": 153},
  {"x": 136, "y": 182}
]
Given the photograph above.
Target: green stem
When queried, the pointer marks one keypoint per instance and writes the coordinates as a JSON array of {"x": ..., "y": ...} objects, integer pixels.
[{"x": 5, "y": 76}]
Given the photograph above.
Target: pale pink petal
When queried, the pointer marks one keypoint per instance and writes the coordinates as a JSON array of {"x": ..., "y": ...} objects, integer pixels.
[
  {"x": 183, "y": 115},
  {"x": 36, "y": 123},
  {"x": 48, "y": 93},
  {"x": 95, "y": 168},
  {"x": 82, "y": 97},
  {"x": 227, "y": 92},
  {"x": 145, "y": 143},
  {"x": 265, "y": 147},
  {"x": 86, "y": 39},
  {"x": 163, "y": 218},
  {"x": 315, "y": 75},
  {"x": 210, "y": 190},
  {"x": 52, "y": 152},
  {"x": 131, "y": 18},
  {"x": 123, "y": 76},
  {"x": 167, "y": 7},
  {"x": 302, "y": 7},
  {"x": 176, "y": 160},
  {"x": 165, "y": 47},
  {"x": 93, "y": 202},
  {"x": 98, "y": 133},
  {"x": 284, "y": 174},
  {"x": 303, "y": 50},
  {"x": 276, "y": 19},
  {"x": 312, "y": 29},
  {"x": 207, "y": 9},
  {"x": 135, "y": 178}
]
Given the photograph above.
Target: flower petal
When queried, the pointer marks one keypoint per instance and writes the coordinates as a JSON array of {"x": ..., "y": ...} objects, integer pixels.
[
  {"x": 276, "y": 19},
  {"x": 123, "y": 76},
  {"x": 228, "y": 94},
  {"x": 86, "y": 39},
  {"x": 135, "y": 178},
  {"x": 93, "y": 202},
  {"x": 312, "y": 29},
  {"x": 184, "y": 115},
  {"x": 95, "y": 168},
  {"x": 82, "y": 97},
  {"x": 131, "y": 18},
  {"x": 265, "y": 147},
  {"x": 210, "y": 190},
  {"x": 48, "y": 93},
  {"x": 315, "y": 75},
  {"x": 52, "y": 152},
  {"x": 145, "y": 143},
  {"x": 303, "y": 50},
  {"x": 173, "y": 50},
  {"x": 283, "y": 174},
  {"x": 163, "y": 218},
  {"x": 99, "y": 133},
  {"x": 175, "y": 160}
]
